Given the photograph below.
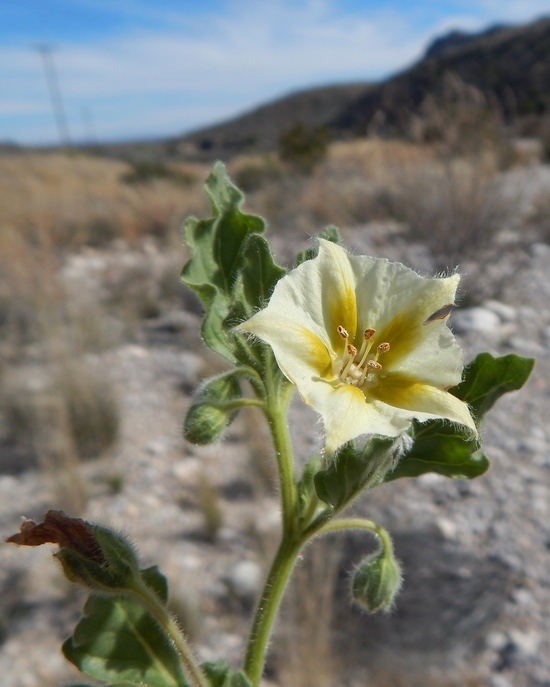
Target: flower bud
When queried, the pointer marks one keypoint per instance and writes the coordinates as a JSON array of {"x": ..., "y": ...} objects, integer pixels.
[
  {"x": 207, "y": 418},
  {"x": 93, "y": 556},
  {"x": 377, "y": 581}
]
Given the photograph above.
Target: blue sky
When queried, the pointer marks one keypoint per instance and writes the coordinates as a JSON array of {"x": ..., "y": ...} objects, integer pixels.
[{"x": 131, "y": 69}]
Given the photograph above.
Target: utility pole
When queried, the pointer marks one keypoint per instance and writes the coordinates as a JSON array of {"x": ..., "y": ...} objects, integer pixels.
[{"x": 52, "y": 82}]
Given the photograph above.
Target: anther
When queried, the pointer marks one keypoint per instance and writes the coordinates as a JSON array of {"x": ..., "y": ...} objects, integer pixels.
[
  {"x": 343, "y": 333},
  {"x": 368, "y": 334},
  {"x": 383, "y": 347},
  {"x": 374, "y": 365}
]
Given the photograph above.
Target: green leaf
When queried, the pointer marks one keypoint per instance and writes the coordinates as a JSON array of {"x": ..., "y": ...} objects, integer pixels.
[
  {"x": 216, "y": 243},
  {"x": 353, "y": 470},
  {"x": 330, "y": 233},
  {"x": 211, "y": 411},
  {"x": 219, "y": 674},
  {"x": 239, "y": 679},
  {"x": 306, "y": 486},
  {"x": 214, "y": 333},
  {"x": 487, "y": 378},
  {"x": 260, "y": 273},
  {"x": 217, "y": 258},
  {"x": 118, "y": 641},
  {"x": 442, "y": 449}
]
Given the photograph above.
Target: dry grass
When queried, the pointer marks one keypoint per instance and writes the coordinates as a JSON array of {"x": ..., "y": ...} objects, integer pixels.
[{"x": 74, "y": 200}]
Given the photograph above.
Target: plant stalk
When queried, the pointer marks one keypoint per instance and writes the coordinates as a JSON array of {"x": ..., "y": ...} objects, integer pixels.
[
  {"x": 358, "y": 524},
  {"x": 267, "y": 608},
  {"x": 278, "y": 397},
  {"x": 156, "y": 608}
]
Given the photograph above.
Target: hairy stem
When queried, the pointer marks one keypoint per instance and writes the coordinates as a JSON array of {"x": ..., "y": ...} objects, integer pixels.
[
  {"x": 358, "y": 524},
  {"x": 158, "y": 610},
  {"x": 267, "y": 608},
  {"x": 277, "y": 400}
]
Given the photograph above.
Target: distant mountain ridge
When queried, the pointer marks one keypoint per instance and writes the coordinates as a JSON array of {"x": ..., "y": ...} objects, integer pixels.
[
  {"x": 509, "y": 65},
  {"x": 261, "y": 128}
]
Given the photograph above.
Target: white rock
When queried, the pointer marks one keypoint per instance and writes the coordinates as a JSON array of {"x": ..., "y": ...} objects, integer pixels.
[
  {"x": 496, "y": 640},
  {"x": 527, "y": 642},
  {"x": 476, "y": 319},
  {"x": 505, "y": 312},
  {"x": 499, "y": 681},
  {"x": 244, "y": 579},
  {"x": 446, "y": 527}
]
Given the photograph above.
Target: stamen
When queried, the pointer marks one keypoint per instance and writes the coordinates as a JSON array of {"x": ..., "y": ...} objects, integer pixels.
[
  {"x": 355, "y": 366},
  {"x": 352, "y": 351},
  {"x": 343, "y": 333},
  {"x": 366, "y": 345}
]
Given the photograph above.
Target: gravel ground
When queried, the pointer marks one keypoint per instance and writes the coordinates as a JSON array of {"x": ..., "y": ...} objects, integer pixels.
[{"x": 476, "y": 555}]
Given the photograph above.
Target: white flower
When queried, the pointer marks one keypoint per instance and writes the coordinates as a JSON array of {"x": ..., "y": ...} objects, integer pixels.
[{"x": 365, "y": 342}]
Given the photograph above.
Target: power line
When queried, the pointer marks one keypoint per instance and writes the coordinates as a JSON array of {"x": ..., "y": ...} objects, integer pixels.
[{"x": 46, "y": 52}]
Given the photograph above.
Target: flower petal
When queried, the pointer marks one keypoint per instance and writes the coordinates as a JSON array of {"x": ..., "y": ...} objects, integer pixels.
[
  {"x": 318, "y": 295},
  {"x": 422, "y": 401},
  {"x": 346, "y": 415},
  {"x": 435, "y": 360},
  {"x": 300, "y": 354}
]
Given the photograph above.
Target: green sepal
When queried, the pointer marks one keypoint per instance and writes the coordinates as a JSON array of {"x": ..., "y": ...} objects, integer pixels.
[
  {"x": 211, "y": 412},
  {"x": 330, "y": 233},
  {"x": 217, "y": 257},
  {"x": 118, "y": 641},
  {"x": 442, "y": 447},
  {"x": 487, "y": 378},
  {"x": 353, "y": 470},
  {"x": 112, "y": 576},
  {"x": 219, "y": 674},
  {"x": 377, "y": 581}
]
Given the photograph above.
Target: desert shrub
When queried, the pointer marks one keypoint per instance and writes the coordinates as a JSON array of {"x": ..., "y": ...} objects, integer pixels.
[
  {"x": 92, "y": 409},
  {"x": 455, "y": 208},
  {"x": 254, "y": 175},
  {"x": 74, "y": 408},
  {"x": 210, "y": 507},
  {"x": 460, "y": 122},
  {"x": 145, "y": 171},
  {"x": 539, "y": 218},
  {"x": 303, "y": 147}
]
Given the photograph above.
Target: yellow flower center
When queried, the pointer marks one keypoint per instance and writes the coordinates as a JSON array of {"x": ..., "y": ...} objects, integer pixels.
[{"x": 360, "y": 366}]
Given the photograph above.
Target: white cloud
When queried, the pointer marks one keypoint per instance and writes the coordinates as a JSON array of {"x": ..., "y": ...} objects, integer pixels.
[{"x": 199, "y": 69}]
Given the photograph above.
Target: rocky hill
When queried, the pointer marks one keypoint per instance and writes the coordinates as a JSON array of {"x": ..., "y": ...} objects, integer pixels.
[{"x": 509, "y": 68}]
